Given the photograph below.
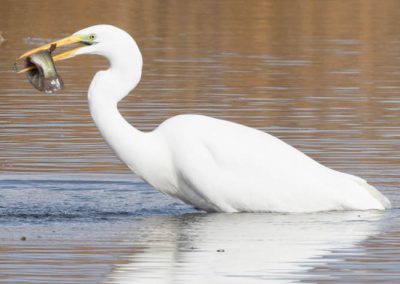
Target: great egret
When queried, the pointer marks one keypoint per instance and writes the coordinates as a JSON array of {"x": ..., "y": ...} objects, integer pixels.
[{"x": 212, "y": 164}]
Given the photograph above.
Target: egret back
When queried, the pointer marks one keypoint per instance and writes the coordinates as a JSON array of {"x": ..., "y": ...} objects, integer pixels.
[{"x": 224, "y": 166}]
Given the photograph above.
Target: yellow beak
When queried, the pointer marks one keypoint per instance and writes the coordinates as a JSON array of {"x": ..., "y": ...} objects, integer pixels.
[{"x": 62, "y": 42}]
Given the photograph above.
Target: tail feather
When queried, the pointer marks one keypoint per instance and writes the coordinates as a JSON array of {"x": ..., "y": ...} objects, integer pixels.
[
  {"x": 379, "y": 196},
  {"x": 373, "y": 191}
]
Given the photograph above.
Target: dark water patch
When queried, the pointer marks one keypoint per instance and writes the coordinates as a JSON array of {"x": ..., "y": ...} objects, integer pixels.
[
  {"x": 60, "y": 199},
  {"x": 74, "y": 184}
]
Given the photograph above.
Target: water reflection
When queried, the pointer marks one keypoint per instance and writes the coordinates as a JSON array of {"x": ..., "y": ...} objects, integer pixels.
[
  {"x": 240, "y": 248},
  {"x": 102, "y": 229}
]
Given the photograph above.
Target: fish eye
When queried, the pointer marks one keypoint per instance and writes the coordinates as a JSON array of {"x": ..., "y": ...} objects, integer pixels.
[{"x": 92, "y": 37}]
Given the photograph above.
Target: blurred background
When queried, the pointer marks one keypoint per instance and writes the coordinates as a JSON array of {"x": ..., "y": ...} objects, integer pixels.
[{"x": 321, "y": 75}]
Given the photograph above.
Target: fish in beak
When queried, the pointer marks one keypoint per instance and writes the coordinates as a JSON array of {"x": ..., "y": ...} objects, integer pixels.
[
  {"x": 39, "y": 64},
  {"x": 42, "y": 74}
]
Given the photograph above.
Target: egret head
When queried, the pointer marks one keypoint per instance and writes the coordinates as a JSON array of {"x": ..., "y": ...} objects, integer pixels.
[
  {"x": 106, "y": 40},
  {"x": 111, "y": 42}
]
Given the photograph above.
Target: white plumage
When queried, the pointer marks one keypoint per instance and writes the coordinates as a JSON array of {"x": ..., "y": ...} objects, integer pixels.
[{"x": 212, "y": 164}]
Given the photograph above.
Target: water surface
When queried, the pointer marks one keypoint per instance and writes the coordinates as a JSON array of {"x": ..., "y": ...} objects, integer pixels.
[
  {"x": 91, "y": 229},
  {"x": 321, "y": 75}
]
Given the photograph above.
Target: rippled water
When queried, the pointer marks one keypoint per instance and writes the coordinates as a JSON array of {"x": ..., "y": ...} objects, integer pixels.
[
  {"x": 91, "y": 229},
  {"x": 321, "y": 75}
]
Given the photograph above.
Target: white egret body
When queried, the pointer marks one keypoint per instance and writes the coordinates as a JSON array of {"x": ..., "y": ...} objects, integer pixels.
[{"x": 212, "y": 164}]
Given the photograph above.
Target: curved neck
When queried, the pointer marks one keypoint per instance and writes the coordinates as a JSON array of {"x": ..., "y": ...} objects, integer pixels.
[
  {"x": 106, "y": 90},
  {"x": 124, "y": 139}
]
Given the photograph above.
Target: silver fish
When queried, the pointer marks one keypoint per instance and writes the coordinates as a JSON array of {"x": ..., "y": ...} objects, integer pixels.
[{"x": 43, "y": 76}]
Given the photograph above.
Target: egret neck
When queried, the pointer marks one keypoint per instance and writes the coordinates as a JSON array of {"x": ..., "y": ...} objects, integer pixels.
[{"x": 107, "y": 88}]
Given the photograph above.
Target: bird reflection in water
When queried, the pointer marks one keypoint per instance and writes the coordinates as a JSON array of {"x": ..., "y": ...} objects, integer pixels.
[{"x": 241, "y": 248}]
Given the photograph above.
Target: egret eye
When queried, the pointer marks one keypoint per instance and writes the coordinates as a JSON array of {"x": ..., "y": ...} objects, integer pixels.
[{"x": 92, "y": 37}]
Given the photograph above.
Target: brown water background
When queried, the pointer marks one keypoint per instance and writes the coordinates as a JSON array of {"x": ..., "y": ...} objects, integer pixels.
[{"x": 323, "y": 76}]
